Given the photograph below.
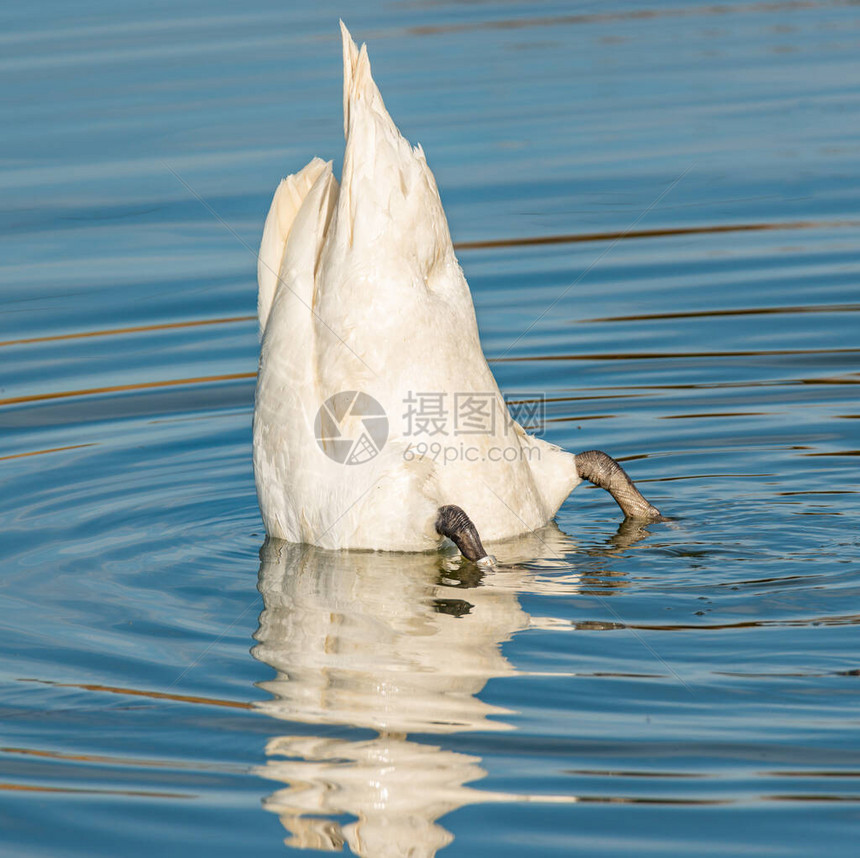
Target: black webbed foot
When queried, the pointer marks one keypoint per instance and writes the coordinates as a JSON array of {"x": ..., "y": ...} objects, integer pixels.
[{"x": 457, "y": 526}]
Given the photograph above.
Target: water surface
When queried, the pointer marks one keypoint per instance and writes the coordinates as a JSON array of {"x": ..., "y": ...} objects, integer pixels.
[{"x": 656, "y": 208}]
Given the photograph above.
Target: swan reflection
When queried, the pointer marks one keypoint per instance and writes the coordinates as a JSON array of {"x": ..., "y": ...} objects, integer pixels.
[{"x": 396, "y": 644}]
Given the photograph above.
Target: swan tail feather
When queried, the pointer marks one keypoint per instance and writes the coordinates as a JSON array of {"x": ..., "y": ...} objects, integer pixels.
[
  {"x": 389, "y": 197},
  {"x": 359, "y": 87},
  {"x": 350, "y": 60},
  {"x": 287, "y": 201}
]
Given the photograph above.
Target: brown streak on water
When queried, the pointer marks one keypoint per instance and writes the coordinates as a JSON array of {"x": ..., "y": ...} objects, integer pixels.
[
  {"x": 103, "y": 759},
  {"x": 713, "y": 9},
  {"x": 43, "y": 452},
  {"x": 124, "y": 388},
  {"x": 576, "y": 238},
  {"x": 684, "y": 356},
  {"x": 93, "y": 791},
  {"x": 752, "y": 311},
  {"x": 154, "y": 695},
  {"x": 134, "y": 329}
]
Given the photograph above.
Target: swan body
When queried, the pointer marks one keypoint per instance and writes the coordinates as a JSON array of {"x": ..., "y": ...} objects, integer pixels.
[{"x": 360, "y": 291}]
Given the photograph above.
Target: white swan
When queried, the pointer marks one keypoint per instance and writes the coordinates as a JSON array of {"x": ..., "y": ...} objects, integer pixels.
[{"x": 361, "y": 298}]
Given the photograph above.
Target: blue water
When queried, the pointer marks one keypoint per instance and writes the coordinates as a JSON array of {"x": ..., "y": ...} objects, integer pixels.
[{"x": 657, "y": 210}]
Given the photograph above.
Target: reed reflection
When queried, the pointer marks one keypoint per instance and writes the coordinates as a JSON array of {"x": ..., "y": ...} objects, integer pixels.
[{"x": 395, "y": 644}]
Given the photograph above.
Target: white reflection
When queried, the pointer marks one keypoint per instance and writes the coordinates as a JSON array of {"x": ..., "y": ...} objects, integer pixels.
[{"x": 393, "y": 643}]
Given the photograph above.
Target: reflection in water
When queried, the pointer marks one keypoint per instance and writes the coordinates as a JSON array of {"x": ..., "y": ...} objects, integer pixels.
[{"x": 397, "y": 644}]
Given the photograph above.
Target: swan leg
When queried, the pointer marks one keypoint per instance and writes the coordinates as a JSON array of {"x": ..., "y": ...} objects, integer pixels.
[
  {"x": 604, "y": 471},
  {"x": 457, "y": 526}
]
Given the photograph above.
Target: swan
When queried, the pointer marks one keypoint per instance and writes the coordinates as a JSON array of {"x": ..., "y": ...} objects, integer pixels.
[{"x": 369, "y": 345}]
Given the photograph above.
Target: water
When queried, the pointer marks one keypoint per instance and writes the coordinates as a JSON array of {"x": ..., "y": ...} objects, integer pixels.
[{"x": 657, "y": 213}]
